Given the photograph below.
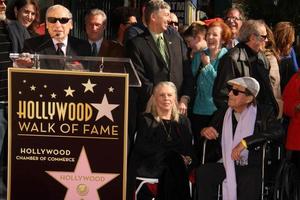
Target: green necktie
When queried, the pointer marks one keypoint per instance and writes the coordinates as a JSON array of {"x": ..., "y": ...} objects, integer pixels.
[{"x": 161, "y": 47}]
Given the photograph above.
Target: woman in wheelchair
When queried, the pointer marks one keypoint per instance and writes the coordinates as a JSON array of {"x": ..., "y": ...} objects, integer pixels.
[
  {"x": 239, "y": 129},
  {"x": 163, "y": 145}
]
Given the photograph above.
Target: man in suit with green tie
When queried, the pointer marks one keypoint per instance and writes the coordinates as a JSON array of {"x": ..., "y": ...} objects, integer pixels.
[{"x": 159, "y": 54}]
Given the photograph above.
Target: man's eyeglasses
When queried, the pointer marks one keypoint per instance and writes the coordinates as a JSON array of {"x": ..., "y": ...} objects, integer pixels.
[
  {"x": 264, "y": 36},
  {"x": 236, "y": 92},
  {"x": 3, "y": 2},
  {"x": 62, "y": 20},
  {"x": 233, "y": 18},
  {"x": 173, "y": 23}
]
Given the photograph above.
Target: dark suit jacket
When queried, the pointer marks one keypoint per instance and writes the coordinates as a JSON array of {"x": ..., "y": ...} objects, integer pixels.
[
  {"x": 110, "y": 48},
  {"x": 152, "y": 68},
  {"x": 44, "y": 45},
  {"x": 17, "y": 34}
]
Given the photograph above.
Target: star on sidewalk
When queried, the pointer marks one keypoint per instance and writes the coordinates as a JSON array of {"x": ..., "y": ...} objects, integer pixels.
[
  {"x": 89, "y": 86},
  {"x": 82, "y": 183},
  {"x": 104, "y": 109},
  {"x": 69, "y": 92}
]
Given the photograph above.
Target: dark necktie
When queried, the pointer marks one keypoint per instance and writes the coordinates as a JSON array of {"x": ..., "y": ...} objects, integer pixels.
[
  {"x": 59, "y": 50},
  {"x": 94, "y": 49}
]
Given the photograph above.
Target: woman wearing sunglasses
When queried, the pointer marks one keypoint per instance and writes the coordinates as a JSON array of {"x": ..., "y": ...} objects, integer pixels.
[{"x": 238, "y": 130}]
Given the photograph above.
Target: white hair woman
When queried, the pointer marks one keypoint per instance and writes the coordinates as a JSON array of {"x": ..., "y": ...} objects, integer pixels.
[
  {"x": 163, "y": 146},
  {"x": 239, "y": 129}
]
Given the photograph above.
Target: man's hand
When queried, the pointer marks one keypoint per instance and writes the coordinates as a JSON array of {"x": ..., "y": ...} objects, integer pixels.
[
  {"x": 24, "y": 61},
  {"x": 209, "y": 133},
  {"x": 183, "y": 105},
  {"x": 236, "y": 151}
]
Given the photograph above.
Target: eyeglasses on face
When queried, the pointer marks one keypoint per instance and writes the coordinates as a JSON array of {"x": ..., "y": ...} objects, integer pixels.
[
  {"x": 236, "y": 92},
  {"x": 172, "y": 23},
  {"x": 233, "y": 18},
  {"x": 62, "y": 20},
  {"x": 3, "y": 2},
  {"x": 263, "y": 37}
]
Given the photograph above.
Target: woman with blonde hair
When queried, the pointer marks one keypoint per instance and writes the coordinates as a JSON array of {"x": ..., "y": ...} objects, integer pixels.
[{"x": 163, "y": 145}]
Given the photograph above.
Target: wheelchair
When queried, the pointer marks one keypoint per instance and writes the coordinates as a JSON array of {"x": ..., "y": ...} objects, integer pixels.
[{"x": 272, "y": 155}]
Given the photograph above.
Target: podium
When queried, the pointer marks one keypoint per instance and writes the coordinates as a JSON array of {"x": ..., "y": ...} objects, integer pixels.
[{"x": 68, "y": 127}]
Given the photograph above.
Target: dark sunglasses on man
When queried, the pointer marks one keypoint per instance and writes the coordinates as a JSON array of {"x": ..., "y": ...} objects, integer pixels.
[
  {"x": 62, "y": 20},
  {"x": 236, "y": 92}
]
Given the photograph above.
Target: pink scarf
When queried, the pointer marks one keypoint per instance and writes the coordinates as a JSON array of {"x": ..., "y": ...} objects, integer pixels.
[{"x": 245, "y": 127}]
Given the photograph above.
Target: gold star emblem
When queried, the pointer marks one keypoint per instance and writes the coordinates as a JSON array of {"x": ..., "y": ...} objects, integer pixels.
[
  {"x": 89, "y": 86},
  {"x": 53, "y": 96},
  {"x": 32, "y": 88},
  {"x": 111, "y": 89},
  {"x": 69, "y": 92}
]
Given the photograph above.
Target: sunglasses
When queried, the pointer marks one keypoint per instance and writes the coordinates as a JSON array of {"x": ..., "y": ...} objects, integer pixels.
[
  {"x": 62, "y": 20},
  {"x": 236, "y": 92},
  {"x": 173, "y": 23},
  {"x": 263, "y": 36}
]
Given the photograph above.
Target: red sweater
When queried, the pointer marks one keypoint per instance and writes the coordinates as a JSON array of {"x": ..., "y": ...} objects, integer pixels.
[{"x": 291, "y": 98}]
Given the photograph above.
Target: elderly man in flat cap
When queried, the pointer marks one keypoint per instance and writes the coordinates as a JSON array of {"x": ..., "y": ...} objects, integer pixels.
[{"x": 238, "y": 130}]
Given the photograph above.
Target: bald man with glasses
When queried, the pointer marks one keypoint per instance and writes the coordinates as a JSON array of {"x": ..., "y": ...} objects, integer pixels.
[{"x": 58, "y": 41}]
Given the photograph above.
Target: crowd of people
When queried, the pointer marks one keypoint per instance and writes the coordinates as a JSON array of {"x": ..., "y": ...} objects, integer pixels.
[{"x": 233, "y": 82}]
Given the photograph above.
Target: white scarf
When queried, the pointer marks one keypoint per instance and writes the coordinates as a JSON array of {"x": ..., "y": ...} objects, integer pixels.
[{"x": 245, "y": 127}]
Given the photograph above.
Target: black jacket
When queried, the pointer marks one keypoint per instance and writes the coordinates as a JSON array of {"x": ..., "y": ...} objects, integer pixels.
[
  {"x": 153, "y": 154},
  {"x": 267, "y": 127},
  {"x": 152, "y": 68},
  {"x": 44, "y": 45},
  {"x": 243, "y": 61},
  {"x": 17, "y": 34}
]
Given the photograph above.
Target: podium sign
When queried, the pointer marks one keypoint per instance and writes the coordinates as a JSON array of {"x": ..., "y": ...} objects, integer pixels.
[{"x": 67, "y": 135}]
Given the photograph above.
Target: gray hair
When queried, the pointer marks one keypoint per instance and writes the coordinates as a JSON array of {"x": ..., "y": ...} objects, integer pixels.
[
  {"x": 94, "y": 12},
  {"x": 59, "y": 6},
  {"x": 151, "y": 105},
  {"x": 239, "y": 8},
  {"x": 153, "y": 6},
  {"x": 248, "y": 28}
]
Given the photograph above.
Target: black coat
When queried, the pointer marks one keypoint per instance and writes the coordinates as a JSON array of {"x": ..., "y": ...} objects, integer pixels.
[
  {"x": 267, "y": 127},
  {"x": 44, "y": 45},
  {"x": 153, "y": 153},
  {"x": 152, "y": 68},
  {"x": 242, "y": 61},
  {"x": 17, "y": 34}
]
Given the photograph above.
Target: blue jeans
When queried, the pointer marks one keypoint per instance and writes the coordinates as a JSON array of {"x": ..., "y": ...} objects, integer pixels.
[{"x": 3, "y": 151}]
